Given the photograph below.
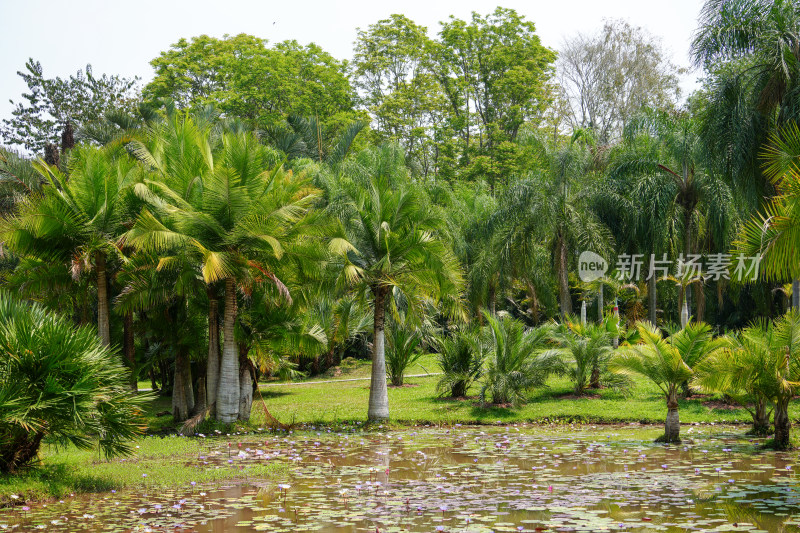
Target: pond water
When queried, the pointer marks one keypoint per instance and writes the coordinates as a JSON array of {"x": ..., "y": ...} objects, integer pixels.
[{"x": 463, "y": 479}]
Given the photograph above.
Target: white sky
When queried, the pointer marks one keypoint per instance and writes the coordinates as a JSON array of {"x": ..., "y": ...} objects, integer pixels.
[{"x": 121, "y": 37}]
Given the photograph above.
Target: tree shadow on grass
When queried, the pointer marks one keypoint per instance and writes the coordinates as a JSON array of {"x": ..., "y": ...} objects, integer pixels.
[{"x": 272, "y": 394}]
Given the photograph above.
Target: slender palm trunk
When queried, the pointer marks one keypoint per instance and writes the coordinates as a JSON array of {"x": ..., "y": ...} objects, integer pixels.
[
  {"x": 563, "y": 279},
  {"x": 672, "y": 426},
  {"x": 103, "y": 325},
  {"x": 652, "y": 299},
  {"x": 600, "y": 305},
  {"x": 700, "y": 297},
  {"x": 796, "y": 295},
  {"x": 245, "y": 383},
  {"x": 228, "y": 390},
  {"x": 212, "y": 363},
  {"x": 129, "y": 348},
  {"x": 378, "y": 392},
  {"x": 182, "y": 393}
]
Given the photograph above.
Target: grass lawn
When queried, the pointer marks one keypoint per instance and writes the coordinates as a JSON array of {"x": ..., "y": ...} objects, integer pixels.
[
  {"x": 330, "y": 403},
  {"x": 167, "y": 462}
]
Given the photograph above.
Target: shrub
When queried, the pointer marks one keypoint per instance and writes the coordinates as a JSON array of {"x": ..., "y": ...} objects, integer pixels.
[
  {"x": 586, "y": 349},
  {"x": 58, "y": 382},
  {"x": 403, "y": 351},
  {"x": 515, "y": 363},
  {"x": 461, "y": 360}
]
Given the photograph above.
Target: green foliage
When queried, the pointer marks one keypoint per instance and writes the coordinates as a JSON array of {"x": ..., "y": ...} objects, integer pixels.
[
  {"x": 255, "y": 83},
  {"x": 403, "y": 349},
  {"x": 585, "y": 349},
  {"x": 57, "y": 382},
  {"x": 460, "y": 357},
  {"x": 82, "y": 100},
  {"x": 515, "y": 362}
]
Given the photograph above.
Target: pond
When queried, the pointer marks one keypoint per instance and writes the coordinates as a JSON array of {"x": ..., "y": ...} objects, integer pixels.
[{"x": 462, "y": 479}]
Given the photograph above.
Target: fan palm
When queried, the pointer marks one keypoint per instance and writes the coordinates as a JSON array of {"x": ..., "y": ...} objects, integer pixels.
[
  {"x": 667, "y": 363},
  {"x": 390, "y": 242},
  {"x": 236, "y": 216},
  {"x": 59, "y": 382}
]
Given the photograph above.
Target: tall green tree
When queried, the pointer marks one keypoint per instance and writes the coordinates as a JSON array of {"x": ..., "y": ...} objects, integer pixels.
[
  {"x": 257, "y": 83},
  {"x": 392, "y": 72},
  {"x": 494, "y": 72},
  {"x": 237, "y": 219},
  {"x": 681, "y": 205},
  {"x": 750, "y": 48},
  {"x": 78, "y": 219},
  {"x": 553, "y": 205},
  {"x": 391, "y": 243},
  {"x": 53, "y": 103}
]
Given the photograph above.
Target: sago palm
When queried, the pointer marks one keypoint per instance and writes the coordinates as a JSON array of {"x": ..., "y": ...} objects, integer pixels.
[{"x": 515, "y": 361}]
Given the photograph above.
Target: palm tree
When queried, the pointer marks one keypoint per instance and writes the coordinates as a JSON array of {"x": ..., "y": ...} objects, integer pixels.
[
  {"x": 745, "y": 372},
  {"x": 515, "y": 361},
  {"x": 755, "y": 95},
  {"x": 667, "y": 363},
  {"x": 751, "y": 49},
  {"x": 662, "y": 162},
  {"x": 775, "y": 234},
  {"x": 585, "y": 349},
  {"x": 553, "y": 206},
  {"x": 460, "y": 356},
  {"x": 236, "y": 216},
  {"x": 59, "y": 382},
  {"x": 389, "y": 243},
  {"x": 78, "y": 218}
]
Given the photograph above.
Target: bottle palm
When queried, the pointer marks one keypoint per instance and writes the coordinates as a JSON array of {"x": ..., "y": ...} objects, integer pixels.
[
  {"x": 390, "y": 243},
  {"x": 224, "y": 205}
]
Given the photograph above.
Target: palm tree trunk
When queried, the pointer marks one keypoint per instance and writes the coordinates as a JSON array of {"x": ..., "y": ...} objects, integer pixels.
[
  {"x": 652, "y": 299},
  {"x": 228, "y": 390},
  {"x": 796, "y": 295},
  {"x": 594, "y": 379},
  {"x": 378, "y": 392},
  {"x": 212, "y": 363},
  {"x": 672, "y": 426},
  {"x": 103, "y": 325},
  {"x": 761, "y": 418},
  {"x": 563, "y": 279},
  {"x": 245, "y": 384},
  {"x": 180, "y": 404},
  {"x": 783, "y": 425},
  {"x": 129, "y": 348},
  {"x": 700, "y": 296},
  {"x": 600, "y": 304}
]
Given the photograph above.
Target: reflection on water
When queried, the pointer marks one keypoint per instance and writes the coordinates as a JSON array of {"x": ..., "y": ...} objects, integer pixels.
[{"x": 475, "y": 479}]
